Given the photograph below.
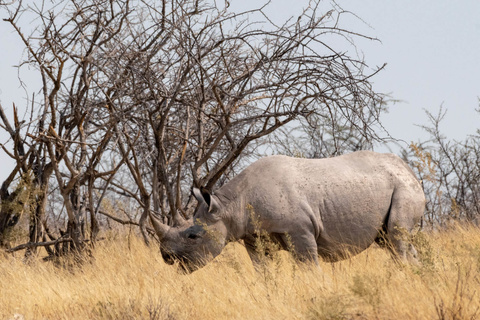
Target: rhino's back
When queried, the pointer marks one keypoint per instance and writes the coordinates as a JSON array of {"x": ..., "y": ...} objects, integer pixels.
[
  {"x": 343, "y": 200},
  {"x": 338, "y": 173}
]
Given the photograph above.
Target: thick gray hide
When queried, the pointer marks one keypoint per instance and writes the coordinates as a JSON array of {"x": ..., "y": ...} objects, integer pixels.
[{"x": 332, "y": 208}]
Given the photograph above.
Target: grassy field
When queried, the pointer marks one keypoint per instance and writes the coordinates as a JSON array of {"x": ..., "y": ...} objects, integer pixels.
[{"x": 127, "y": 280}]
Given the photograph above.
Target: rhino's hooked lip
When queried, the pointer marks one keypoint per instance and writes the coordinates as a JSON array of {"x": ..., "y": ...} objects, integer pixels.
[
  {"x": 185, "y": 265},
  {"x": 168, "y": 258}
]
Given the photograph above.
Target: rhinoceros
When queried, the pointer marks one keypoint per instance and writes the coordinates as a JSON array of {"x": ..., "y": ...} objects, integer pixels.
[{"x": 333, "y": 208}]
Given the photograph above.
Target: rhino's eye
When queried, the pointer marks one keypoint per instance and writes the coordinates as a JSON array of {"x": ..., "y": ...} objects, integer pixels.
[{"x": 193, "y": 236}]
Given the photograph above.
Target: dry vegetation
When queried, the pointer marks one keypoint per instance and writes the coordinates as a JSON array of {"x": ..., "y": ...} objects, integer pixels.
[{"x": 127, "y": 280}]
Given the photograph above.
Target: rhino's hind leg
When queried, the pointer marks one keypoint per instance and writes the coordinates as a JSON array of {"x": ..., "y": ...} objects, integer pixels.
[{"x": 405, "y": 213}]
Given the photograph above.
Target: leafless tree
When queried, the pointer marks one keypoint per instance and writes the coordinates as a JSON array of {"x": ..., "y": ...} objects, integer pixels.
[
  {"x": 33, "y": 170},
  {"x": 329, "y": 134},
  {"x": 71, "y": 130},
  {"x": 450, "y": 172},
  {"x": 141, "y": 100}
]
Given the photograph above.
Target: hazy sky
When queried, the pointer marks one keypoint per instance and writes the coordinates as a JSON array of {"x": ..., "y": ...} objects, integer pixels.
[{"x": 432, "y": 51}]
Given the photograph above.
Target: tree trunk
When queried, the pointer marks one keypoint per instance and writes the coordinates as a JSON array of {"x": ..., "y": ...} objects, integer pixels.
[
  {"x": 37, "y": 217},
  {"x": 10, "y": 212}
]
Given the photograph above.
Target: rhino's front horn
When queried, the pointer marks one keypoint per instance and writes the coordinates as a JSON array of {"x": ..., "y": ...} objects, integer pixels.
[{"x": 160, "y": 228}]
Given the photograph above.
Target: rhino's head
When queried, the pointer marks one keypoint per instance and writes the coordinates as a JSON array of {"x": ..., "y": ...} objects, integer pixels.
[{"x": 197, "y": 241}]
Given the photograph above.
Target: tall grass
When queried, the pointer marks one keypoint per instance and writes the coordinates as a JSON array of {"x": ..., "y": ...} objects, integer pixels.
[{"x": 127, "y": 280}]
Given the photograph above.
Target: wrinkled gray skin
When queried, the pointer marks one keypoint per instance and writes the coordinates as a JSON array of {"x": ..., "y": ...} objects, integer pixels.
[{"x": 333, "y": 208}]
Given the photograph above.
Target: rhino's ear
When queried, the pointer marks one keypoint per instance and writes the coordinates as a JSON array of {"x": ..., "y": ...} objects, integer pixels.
[{"x": 204, "y": 196}]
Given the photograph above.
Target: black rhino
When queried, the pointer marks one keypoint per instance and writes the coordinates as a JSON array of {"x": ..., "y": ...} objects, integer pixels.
[{"x": 333, "y": 208}]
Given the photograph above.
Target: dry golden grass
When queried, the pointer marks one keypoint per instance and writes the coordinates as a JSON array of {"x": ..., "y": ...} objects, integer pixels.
[{"x": 127, "y": 280}]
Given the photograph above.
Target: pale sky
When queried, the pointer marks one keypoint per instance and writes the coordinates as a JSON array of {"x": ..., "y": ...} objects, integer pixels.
[{"x": 431, "y": 47}]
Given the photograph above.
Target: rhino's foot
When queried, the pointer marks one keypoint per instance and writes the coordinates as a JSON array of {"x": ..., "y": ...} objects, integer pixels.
[{"x": 404, "y": 252}]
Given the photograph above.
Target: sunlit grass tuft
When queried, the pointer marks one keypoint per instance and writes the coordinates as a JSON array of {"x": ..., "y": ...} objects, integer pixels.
[{"x": 127, "y": 280}]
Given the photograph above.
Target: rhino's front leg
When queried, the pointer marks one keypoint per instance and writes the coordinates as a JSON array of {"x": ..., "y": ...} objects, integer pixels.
[
  {"x": 253, "y": 253},
  {"x": 303, "y": 247}
]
